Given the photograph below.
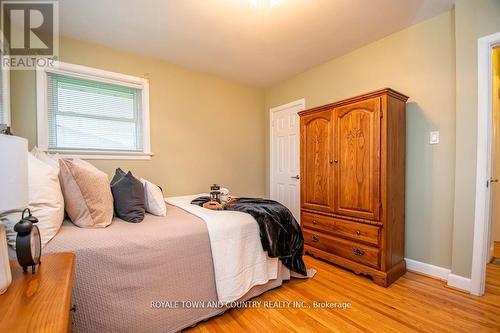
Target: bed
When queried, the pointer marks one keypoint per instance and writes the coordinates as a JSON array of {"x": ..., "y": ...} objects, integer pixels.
[{"x": 125, "y": 271}]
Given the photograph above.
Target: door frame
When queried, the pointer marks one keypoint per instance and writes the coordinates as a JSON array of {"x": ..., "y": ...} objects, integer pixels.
[
  {"x": 301, "y": 103},
  {"x": 481, "y": 245}
]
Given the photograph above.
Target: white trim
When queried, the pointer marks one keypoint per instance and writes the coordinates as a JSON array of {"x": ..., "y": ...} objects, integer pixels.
[
  {"x": 301, "y": 103},
  {"x": 41, "y": 109},
  {"x": 6, "y": 94},
  {"x": 104, "y": 156},
  {"x": 5, "y": 83},
  {"x": 441, "y": 273},
  {"x": 146, "y": 125},
  {"x": 459, "y": 282},
  {"x": 428, "y": 269},
  {"x": 96, "y": 75},
  {"x": 484, "y": 136}
]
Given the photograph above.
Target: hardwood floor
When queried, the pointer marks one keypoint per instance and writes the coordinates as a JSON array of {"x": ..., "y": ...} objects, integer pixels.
[
  {"x": 496, "y": 250},
  {"x": 414, "y": 303}
]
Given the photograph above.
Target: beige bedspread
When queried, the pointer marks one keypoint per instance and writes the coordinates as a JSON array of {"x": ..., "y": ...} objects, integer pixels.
[{"x": 121, "y": 269}]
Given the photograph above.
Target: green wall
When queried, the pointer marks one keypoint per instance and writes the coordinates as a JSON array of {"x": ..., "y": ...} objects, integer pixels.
[
  {"x": 435, "y": 63},
  {"x": 473, "y": 19},
  {"x": 206, "y": 129},
  {"x": 419, "y": 62}
]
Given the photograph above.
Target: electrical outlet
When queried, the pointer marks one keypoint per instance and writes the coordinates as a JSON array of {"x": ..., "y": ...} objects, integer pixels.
[{"x": 434, "y": 138}]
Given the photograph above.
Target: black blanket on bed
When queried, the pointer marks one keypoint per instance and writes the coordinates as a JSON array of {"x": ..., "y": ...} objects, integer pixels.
[{"x": 280, "y": 233}]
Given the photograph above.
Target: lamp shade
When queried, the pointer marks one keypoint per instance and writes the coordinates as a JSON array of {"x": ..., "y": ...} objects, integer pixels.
[{"x": 13, "y": 173}]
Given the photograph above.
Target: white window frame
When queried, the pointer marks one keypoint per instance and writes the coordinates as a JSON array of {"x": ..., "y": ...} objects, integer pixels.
[
  {"x": 6, "y": 94},
  {"x": 94, "y": 74}
]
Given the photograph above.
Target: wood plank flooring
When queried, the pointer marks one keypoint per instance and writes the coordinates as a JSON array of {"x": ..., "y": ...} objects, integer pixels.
[
  {"x": 414, "y": 303},
  {"x": 496, "y": 250}
]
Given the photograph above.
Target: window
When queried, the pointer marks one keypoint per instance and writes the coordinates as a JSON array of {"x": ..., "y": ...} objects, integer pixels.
[
  {"x": 92, "y": 113},
  {"x": 4, "y": 95}
]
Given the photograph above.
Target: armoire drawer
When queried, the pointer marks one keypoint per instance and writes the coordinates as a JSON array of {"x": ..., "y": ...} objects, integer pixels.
[
  {"x": 360, "y": 253},
  {"x": 356, "y": 231}
]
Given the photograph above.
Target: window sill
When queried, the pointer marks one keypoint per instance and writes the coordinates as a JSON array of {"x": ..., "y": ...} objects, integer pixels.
[{"x": 93, "y": 155}]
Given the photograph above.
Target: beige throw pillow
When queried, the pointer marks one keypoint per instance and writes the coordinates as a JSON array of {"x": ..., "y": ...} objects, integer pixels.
[{"x": 87, "y": 194}]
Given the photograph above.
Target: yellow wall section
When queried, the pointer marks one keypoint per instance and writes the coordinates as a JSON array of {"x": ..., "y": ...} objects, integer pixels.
[
  {"x": 419, "y": 62},
  {"x": 204, "y": 129},
  {"x": 495, "y": 197}
]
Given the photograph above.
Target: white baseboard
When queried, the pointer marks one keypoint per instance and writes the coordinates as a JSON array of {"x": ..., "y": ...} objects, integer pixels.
[
  {"x": 459, "y": 282},
  {"x": 428, "y": 269},
  {"x": 453, "y": 280}
]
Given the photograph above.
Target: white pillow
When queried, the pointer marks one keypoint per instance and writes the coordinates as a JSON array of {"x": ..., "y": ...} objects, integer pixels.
[
  {"x": 45, "y": 202},
  {"x": 52, "y": 160},
  {"x": 154, "y": 200}
]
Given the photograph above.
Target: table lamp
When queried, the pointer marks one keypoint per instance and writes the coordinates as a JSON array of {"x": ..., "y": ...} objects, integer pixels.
[{"x": 13, "y": 193}]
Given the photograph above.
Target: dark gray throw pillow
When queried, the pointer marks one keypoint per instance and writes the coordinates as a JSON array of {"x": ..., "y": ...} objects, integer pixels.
[{"x": 128, "y": 195}]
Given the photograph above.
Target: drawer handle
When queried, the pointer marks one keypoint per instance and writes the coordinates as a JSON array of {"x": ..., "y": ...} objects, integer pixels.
[
  {"x": 358, "y": 232},
  {"x": 314, "y": 238},
  {"x": 314, "y": 222},
  {"x": 358, "y": 252}
]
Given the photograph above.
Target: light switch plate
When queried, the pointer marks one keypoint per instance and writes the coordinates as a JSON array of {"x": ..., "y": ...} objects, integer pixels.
[{"x": 434, "y": 138}]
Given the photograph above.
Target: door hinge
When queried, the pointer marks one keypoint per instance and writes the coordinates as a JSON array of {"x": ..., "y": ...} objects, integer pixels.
[{"x": 381, "y": 114}]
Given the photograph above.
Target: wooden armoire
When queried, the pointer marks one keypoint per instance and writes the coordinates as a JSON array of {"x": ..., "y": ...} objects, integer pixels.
[{"x": 352, "y": 167}]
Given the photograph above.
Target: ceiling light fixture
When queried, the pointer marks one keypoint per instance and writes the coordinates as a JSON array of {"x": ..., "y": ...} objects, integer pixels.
[{"x": 266, "y": 3}]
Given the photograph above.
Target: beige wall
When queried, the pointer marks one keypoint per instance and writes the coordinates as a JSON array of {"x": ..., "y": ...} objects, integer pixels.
[
  {"x": 204, "y": 129},
  {"x": 419, "y": 62},
  {"x": 473, "y": 19}
]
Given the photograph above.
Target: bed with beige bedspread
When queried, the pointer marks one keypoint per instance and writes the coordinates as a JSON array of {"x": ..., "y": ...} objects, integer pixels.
[{"x": 122, "y": 269}]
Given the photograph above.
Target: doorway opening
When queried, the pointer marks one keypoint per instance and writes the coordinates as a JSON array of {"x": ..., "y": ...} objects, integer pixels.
[
  {"x": 486, "y": 179},
  {"x": 494, "y": 249}
]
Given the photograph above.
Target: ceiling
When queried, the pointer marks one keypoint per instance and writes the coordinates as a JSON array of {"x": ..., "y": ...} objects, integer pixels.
[{"x": 258, "y": 42}]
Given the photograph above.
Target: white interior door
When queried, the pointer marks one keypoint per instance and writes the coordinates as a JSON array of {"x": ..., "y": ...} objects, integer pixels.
[{"x": 285, "y": 156}]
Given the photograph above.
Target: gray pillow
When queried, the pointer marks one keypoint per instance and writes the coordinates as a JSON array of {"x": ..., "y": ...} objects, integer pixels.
[{"x": 128, "y": 195}]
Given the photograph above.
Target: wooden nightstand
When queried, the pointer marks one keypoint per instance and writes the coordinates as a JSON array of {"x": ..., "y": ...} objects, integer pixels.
[{"x": 39, "y": 302}]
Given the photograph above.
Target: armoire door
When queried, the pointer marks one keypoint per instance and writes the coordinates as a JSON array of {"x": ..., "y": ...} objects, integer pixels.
[
  {"x": 316, "y": 150},
  {"x": 357, "y": 159}
]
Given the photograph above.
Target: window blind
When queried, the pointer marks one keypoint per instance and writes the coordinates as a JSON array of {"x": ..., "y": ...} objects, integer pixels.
[{"x": 85, "y": 114}]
